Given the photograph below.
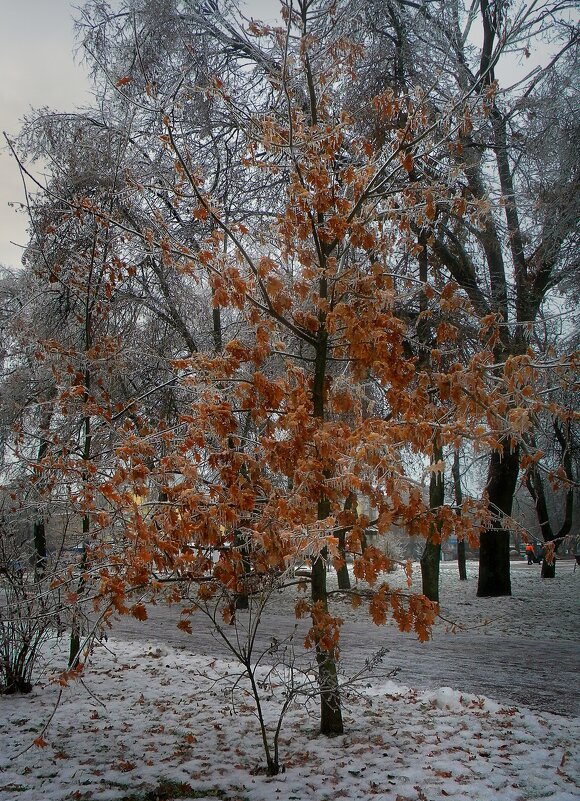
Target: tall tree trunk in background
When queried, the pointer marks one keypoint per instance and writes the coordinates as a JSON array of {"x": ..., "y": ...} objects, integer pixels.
[
  {"x": 431, "y": 558},
  {"x": 74, "y": 652},
  {"x": 537, "y": 491},
  {"x": 458, "y": 501},
  {"x": 39, "y": 528},
  {"x": 494, "y": 547},
  {"x": 75, "y": 637},
  {"x": 342, "y": 572}
]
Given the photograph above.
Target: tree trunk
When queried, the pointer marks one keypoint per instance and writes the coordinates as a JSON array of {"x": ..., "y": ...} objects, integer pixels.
[
  {"x": 494, "y": 549},
  {"x": 461, "y": 560},
  {"x": 39, "y": 530},
  {"x": 549, "y": 569},
  {"x": 458, "y": 501},
  {"x": 342, "y": 573},
  {"x": 430, "y": 570},
  {"x": 75, "y": 637},
  {"x": 242, "y": 599},
  {"x": 431, "y": 558},
  {"x": 536, "y": 489},
  {"x": 330, "y": 708},
  {"x": 75, "y": 634},
  {"x": 40, "y": 552}
]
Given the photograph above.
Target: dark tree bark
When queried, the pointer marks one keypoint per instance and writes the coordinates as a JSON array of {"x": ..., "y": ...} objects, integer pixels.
[
  {"x": 431, "y": 558},
  {"x": 461, "y": 560},
  {"x": 494, "y": 546},
  {"x": 537, "y": 491},
  {"x": 342, "y": 572},
  {"x": 330, "y": 707},
  {"x": 40, "y": 550},
  {"x": 74, "y": 653},
  {"x": 75, "y": 637},
  {"x": 39, "y": 529},
  {"x": 458, "y": 501}
]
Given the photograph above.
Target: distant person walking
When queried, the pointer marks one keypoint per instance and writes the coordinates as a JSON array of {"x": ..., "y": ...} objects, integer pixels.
[{"x": 530, "y": 553}]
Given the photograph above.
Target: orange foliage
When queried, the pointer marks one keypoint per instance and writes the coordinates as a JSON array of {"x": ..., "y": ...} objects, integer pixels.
[{"x": 325, "y": 389}]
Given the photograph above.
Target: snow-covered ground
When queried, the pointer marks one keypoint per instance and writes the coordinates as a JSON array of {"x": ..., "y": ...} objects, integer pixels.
[{"x": 149, "y": 717}]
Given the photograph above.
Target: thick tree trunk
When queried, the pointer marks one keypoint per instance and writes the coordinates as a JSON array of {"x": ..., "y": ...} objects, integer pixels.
[
  {"x": 494, "y": 556},
  {"x": 461, "y": 560},
  {"x": 75, "y": 637},
  {"x": 430, "y": 570},
  {"x": 39, "y": 530},
  {"x": 431, "y": 558},
  {"x": 342, "y": 573},
  {"x": 549, "y": 568},
  {"x": 330, "y": 708},
  {"x": 74, "y": 653},
  {"x": 40, "y": 551},
  {"x": 536, "y": 489}
]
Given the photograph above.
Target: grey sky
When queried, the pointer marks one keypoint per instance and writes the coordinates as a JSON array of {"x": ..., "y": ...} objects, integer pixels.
[{"x": 37, "y": 68}]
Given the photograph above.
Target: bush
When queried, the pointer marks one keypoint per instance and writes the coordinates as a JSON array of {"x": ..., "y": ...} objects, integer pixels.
[{"x": 29, "y": 615}]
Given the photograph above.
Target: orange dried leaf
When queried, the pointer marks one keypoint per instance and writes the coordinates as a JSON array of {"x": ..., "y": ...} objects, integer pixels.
[
  {"x": 139, "y": 611},
  {"x": 185, "y": 625}
]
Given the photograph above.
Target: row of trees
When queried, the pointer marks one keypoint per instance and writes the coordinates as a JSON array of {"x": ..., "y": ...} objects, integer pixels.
[{"x": 276, "y": 269}]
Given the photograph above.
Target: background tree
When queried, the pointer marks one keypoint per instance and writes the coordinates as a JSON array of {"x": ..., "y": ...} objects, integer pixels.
[{"x": 513, "y": 259}]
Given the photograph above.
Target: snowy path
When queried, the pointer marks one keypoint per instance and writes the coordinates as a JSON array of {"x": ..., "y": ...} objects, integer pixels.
[
  {"x": 538, "y": 674},
  {"x": 499, "y": 660}
]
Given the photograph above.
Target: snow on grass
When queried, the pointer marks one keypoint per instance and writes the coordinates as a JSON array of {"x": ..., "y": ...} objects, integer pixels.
[
  {"x": 146, "y": 715},
  {"x": 156, "y": 713}
]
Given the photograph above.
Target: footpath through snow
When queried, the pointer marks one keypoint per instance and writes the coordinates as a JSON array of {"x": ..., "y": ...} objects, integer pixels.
[{"x": 152, "y": 722}]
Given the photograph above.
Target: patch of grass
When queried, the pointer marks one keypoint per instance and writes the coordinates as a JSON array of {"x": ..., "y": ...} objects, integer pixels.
[{"x": 168, "y": 790}]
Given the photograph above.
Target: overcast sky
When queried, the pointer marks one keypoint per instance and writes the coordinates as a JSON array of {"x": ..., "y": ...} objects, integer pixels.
[{"x": 38, "y": 68}]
